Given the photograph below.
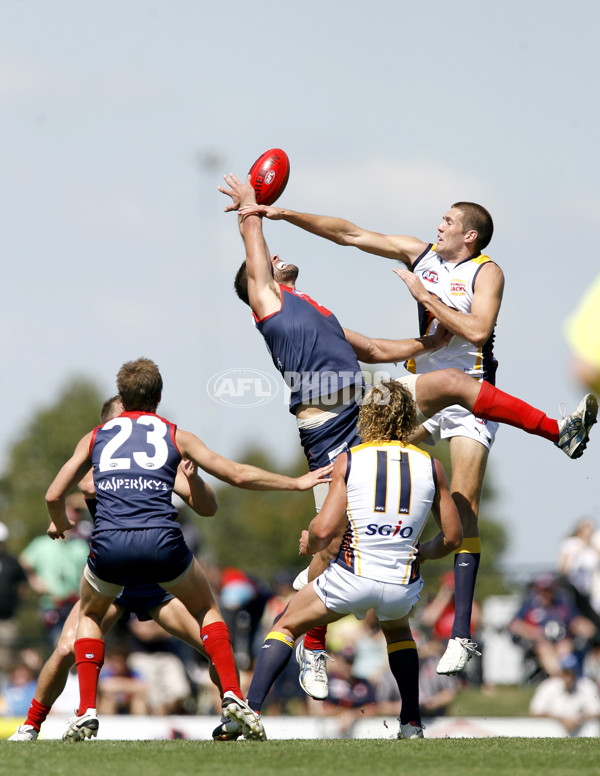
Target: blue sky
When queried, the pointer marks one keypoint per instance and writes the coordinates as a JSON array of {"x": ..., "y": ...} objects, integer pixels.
[{"x": 118, "y": 120}]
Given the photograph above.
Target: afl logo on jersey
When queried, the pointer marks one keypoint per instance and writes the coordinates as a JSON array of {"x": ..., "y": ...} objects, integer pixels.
[
  {"x": 430, "y": 275},
  {"x": 458, "y": 287}
]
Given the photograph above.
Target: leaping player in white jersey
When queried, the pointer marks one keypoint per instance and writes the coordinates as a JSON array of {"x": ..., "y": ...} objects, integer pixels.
[
  {"x": 458, "y": 286},
  {"x": 381, "y": 491}
]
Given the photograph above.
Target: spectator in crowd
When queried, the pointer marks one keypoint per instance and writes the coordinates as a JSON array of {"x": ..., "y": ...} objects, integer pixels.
[
  {"x": 242, "y": 599},
  {"x": 121, "y": 689},
  {"x": 155, "y": 661},
  {"x": 16, "y": 692},
  {"x": 547, "y": 624},
  {"x": 436, "y": 691},
  {"x": 568, "y": 698},
  {"x": 591, "y": 660},
  {"x": 12, "y": 582},
  {"x": 370, "y": 652},
  {"x": 54, "y": 568},
  {"x": 350, "y": 698},
  {"x": 579, "y": 569}
]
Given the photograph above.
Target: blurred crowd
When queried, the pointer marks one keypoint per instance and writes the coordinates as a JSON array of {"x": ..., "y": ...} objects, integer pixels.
[{"x": 146, "y": 671}]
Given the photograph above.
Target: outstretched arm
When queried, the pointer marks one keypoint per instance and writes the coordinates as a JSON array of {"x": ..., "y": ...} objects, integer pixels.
[
  {"x": 400, "y": 247},
  {"x": 243, "y": 475},
  {"x": 476, "y": 326},
  {"x": 385, "y": 351},
  {"x": 444, "y": 510},
  {"x": 263, "y": 291},
  {"x": 65, "y": 480}
]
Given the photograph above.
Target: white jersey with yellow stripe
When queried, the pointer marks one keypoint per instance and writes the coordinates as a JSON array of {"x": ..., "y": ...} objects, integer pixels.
[
  {"x": 453, "y": 284},
  {"x": 390, "y": 489}
]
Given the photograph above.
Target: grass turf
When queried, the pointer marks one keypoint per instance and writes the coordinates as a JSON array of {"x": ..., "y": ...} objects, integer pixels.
[{"x": 442, "y": 757}]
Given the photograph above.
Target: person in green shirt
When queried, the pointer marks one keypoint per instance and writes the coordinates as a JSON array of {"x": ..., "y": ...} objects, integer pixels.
[{"x": 54, "y": 568}]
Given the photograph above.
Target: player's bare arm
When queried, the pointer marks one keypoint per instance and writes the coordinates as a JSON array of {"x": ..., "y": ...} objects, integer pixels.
[
  {"x": 196, "y": 493},
  {"x": 450, "y": 535},
  {"x": 403, "y": 248},
  {"x": 86, "y": 485},
  {"x": 371, "y": 350},
  {"x": 475, "y": 327},
  {"x": 331, "y": 520},
  {"x": 264, "y": 294},
  {"x": 243, "y": 475},
  {"x": 263, "y": 291},
  {"x": 66, "y": 479}
]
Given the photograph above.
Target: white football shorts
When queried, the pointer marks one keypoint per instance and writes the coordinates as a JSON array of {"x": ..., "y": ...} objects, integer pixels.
[
  {"x": 346, "y": 593},
  {"x": 457, "y": 421}
]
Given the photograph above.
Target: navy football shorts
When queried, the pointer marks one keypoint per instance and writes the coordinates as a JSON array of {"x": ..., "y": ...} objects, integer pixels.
[
  {"x": 139, "y": 599},
  {"x": 139, "y": 555},
  {"x": 323, "y": 443}
]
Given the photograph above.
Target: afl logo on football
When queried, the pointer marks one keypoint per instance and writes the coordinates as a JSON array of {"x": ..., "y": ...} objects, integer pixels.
[
  {"x": 430, "y": 275},
  {"x": 269, "y": 177},
  {"x": 242, "y": 388}
]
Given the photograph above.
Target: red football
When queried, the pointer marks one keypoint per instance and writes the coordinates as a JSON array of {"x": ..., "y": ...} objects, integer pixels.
[{"x": 269, "y": 175}]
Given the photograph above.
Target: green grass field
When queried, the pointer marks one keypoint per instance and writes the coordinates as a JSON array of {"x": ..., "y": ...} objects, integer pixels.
[{"x": 442, "y": 757}]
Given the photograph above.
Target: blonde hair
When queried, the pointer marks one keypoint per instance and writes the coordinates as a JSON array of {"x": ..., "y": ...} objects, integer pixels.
[{"x": 388, "y": 413}]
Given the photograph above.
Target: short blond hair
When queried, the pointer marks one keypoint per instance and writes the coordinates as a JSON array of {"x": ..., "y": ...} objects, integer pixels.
[{"x": 388, "y": 413}]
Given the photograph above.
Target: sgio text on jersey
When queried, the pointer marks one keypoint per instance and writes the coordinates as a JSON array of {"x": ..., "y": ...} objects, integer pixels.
[{"x": 387, "y": 530}]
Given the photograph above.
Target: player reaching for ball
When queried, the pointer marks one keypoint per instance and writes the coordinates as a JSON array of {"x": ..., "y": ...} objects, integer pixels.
[
  {"x": 305, "y": 342},
  {"x": 458, "y": 286}
]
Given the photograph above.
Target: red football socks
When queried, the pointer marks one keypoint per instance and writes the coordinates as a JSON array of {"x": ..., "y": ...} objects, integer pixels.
[
  {"x": 89, "y": 658},
  {"x": 494, "y": 404},
  {"x": 217, "y": 645},
  {"x": 37, "y": 714},
  {"x": 316, "y": 638}
]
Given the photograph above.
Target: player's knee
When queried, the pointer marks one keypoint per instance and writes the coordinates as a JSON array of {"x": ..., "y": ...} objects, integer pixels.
[
  {"x": 454, "y": 382},
  {"x": 64, "y": 652}
]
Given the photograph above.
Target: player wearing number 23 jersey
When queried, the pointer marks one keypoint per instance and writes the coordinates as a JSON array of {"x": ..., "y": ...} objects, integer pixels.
[
  {"x": 135, "y": 459},
  {"x": 136, "y": 537},
  {"x": 136, "y": 540}
]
